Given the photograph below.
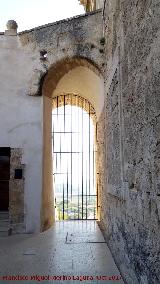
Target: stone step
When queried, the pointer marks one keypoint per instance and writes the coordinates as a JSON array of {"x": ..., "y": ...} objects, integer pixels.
[
  {"x": 4, "y": 229},
  {"x": 4, "y": 223},
  {"x": 3, "y": 233},
  {"x": 4, "y": 215}
]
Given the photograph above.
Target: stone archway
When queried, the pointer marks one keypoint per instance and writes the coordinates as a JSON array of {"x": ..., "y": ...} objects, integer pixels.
[{"x": 79, "y": 77}]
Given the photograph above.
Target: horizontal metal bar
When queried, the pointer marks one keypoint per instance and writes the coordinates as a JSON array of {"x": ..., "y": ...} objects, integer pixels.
[
  {"x": 91, "y": 195},
  {"x": 71, "y": 152},
  {"x": 65, "y": 132},
  {"x": 70, "y": 242},
  {"x": 69, "y": 114},
  {"x": 78, "y": 220}
]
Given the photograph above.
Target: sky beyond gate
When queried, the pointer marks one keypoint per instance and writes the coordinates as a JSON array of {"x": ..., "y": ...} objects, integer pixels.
[{"x": 32, "y": 13}]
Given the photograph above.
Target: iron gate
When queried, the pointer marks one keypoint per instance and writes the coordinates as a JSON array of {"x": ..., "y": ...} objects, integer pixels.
[{"x": 74, "y": 153}]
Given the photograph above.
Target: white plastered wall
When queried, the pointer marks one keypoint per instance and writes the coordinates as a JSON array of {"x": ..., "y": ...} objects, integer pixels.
[{"x": 21, "y": 121}]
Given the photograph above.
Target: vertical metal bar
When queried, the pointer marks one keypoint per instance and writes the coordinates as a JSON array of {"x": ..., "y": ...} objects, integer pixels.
[
  {"x": 71, "y": 148},
  {"x": 94, "y": 143},
  {"x": 64, "y": 102},
  {"x": 57, "y": 108},
  {"x": 54, "y": 158},
  {"x": 96, "y": 132},
  {"x": 59, "y": 215},
  {"x": 56, "y": 161},
  {"x": 67, "y": 189},
  {"x": 87, "y": 173},
  {"x": 89, "y": 152},
  {"x": 53, "y": 132},
  {"x": 78, "y": 157},
  {"x": 94, "y": 213},
  {"x": 86, "y": 190},
  {"x": 61, "y": 167},
  {"x": 97, "y": 197},
  {"x": 82, "y": 160},
  {"x": 70, "y": 114},
  {"x": 61, "y": 120},
  {"x": 57, "y": 123},
  {"x": 63, "y": 198},
  {"x": 64, "y": 111}
]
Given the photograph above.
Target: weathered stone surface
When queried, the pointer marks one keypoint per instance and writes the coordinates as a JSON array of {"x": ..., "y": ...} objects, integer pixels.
[
  {"x": 11, "y": 25},
  {"x": 11, "y": 28},
  {"x": 63, "y": 41},
  {"x": 16, "y": 193},
  {"x": 34, "y": 89},
  {"x": 130, "y": 209}
]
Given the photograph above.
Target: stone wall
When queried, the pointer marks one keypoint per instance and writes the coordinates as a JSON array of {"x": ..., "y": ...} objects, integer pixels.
[
  {"x": 130, "y": 206},
  {"x": 28, "y": 59},
  {"x": 16, "y": 193},
  {"x": 100, "y": 162}
]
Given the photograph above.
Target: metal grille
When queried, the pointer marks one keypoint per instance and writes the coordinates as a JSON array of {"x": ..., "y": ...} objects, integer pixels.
[{"x": 74, "y": 149}]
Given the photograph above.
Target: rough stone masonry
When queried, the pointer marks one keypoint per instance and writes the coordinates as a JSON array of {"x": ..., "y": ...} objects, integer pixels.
[{"x": 130, "y": 212}]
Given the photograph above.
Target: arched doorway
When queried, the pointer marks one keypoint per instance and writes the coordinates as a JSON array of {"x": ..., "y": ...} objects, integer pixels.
[
  {"x": 74, "y": 158},
  {"x": 79, "y": 77}
]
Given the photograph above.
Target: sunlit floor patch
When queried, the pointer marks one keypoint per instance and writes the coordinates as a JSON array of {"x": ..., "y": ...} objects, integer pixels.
[{"x": 49, "y": 254}]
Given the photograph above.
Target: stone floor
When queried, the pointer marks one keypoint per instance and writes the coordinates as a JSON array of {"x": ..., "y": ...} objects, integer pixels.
[{"x": 70, "y": 248}]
